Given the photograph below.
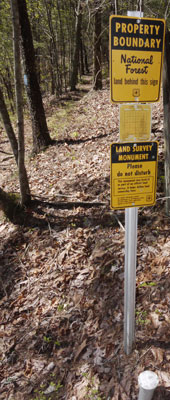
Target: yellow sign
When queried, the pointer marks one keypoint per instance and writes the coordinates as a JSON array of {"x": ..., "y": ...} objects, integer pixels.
[
  {"x": 135, "y": 122},
  {"x": 136, "y": 56},
  {"x": 133, "y": 174}
]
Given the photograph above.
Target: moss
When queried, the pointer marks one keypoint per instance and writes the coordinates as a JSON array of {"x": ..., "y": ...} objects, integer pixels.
[{"x": 10, "y": 205}]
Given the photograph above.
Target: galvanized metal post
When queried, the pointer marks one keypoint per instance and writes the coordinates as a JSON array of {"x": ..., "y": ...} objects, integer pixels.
[
  {"x": 131, "y": 221},
  {"x": 131, "y": 218}
]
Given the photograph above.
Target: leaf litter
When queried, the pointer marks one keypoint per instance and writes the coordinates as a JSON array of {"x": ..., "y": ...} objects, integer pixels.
[{"x": 62, "y": 272}]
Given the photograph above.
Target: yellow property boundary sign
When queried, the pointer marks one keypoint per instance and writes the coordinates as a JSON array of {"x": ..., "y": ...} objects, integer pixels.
[
  {"x": 136, "y": 56},
  {"x": 133, "y": 174}
]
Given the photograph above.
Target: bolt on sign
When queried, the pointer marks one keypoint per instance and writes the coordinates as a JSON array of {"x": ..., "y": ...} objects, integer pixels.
[
  {"x": 133, "y": 174},
  {"x": 136, "y": 57}
]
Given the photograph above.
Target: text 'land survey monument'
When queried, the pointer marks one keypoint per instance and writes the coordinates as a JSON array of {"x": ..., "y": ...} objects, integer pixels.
[
  {"x": 133, "y": 174},
  {"x": 136, "y": 56}
]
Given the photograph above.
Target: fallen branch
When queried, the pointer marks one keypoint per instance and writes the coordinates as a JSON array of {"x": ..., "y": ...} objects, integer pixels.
[
  {"x": 5, "y": 152},
  {"x": 69, "y": 204},
  {"x": 7, "y": 158}
]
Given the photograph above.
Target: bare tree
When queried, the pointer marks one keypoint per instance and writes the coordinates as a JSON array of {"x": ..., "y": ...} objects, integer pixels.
[
  {"x": 23, "y": 180},
  {"x": 8, "y": 126},
  {"x": 139, "y": 5},
  {"x": 74, "y": 75},
  {"x": 41, "y": 137},
  {"x": 114, "y": 6},
  {"x": 97, "y": 48}
]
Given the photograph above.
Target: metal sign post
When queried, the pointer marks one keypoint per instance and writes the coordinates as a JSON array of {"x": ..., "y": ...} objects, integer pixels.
[
  {"x": 131, "y": 218},
  {"x": 131, "y": 222},
  {"x": 136, "y": 56}
]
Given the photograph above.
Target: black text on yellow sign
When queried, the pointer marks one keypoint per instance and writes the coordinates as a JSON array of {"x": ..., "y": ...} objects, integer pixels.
[
  {"x": 136, "y": 56},
  {"x": 133, "y": 174}
]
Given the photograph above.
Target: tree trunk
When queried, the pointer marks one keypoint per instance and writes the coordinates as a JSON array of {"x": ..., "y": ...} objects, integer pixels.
[
  {"x": 139, "y": 6},
  {"x": 166, "y": 105},
  {"x": 81, "y": 58},
  {"x": 41, "y": 137},
  {"x": 8, "y": 126},
  {"x": 97, "y": 51},
  {"x": 23, "y": 179},
  {"x": 53, "y": 48},
  {"x": 114, "y": 7},
  {"x": 63, "y": 46},
  {"x": 85, "y": 59},
  {"x": 74, "y": 76},
  {"x": 7, "y": 81}
]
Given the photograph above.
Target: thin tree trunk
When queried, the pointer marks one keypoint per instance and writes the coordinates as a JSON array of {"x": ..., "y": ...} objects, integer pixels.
[
  {"x": 166, "y": 105},
  {"x": 41, "y": 137},
  {"x": 139, "y": 6},
  {"x": 54, "y": 48},
  {"x": 23, "y": 179},
  {"x": 81, "y": 58},
  {"x": 52, "y": 74},
  {"x": 7, "y": 79},
  {"x": 63, "y": 47},
  {"x": 85, "y": 59},
  {"x": 74, "y": 76},
  {"x": 8, "y": 126},
  {"x": 97, "y": 51},
  {"x": 114, "y": 7}
]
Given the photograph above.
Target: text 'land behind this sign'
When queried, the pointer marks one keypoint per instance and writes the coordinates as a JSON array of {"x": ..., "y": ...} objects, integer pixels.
[{"x": 136, "y": 56}]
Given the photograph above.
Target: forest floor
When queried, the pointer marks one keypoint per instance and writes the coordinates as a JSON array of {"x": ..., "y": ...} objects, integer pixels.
[{"x": 62, "y": 269}]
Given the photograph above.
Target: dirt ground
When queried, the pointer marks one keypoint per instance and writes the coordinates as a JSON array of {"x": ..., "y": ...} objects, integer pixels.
[{"x": 62, "y": 269}]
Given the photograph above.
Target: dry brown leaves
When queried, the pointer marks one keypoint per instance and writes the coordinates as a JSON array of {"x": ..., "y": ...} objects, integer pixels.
[{"x": 62, "y": 273}]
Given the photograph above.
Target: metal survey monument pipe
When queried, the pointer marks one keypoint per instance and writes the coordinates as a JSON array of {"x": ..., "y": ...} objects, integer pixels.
[{"x": 148, "y": 381}]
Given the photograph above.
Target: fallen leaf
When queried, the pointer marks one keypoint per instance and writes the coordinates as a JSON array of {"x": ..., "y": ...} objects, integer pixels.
[
  {"x": 158, "y": 354},
  {"x": 80, "y": 349},
  {"x": 164, "y": 378}
]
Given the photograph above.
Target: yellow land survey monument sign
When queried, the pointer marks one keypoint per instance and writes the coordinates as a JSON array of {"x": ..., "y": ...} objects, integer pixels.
[
  {"x": 136, "y": 56},
  {"x": 133, "y": 174}
]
